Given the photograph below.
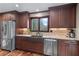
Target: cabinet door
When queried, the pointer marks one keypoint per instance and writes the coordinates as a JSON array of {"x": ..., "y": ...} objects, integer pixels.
[
  {"x": 23, "y": 43},
  {"x": 18, "y": 22},
  {"x": 61, "y": 48},
  {"x": 9, "y": 16},
  {"x": 71, "y": 16},
  {"x": 37, "y": 45},
  {"x": 27, "y": 45},
  {"x": 67, "y": 48},
  {"x": 54, "y": 18},
  {"x": 73, "y": 49},
  {"x": 67, "y": 17},
  {"x": 63, "y": 16},
  {"x": 22, "y": 20},
  {"x": 18, "y": 43},
  {"x": 0, "y": 17}
]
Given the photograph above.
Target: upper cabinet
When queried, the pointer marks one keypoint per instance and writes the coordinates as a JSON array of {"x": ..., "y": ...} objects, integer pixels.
[
  {"x": 54, "y": 18},
  {"x": 63, "y": 16},
  {"x": 23, "y": 18},
  {"x": 12, "y": 15}
]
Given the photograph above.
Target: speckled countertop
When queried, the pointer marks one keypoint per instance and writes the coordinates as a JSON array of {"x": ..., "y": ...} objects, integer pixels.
[{"x": 55, "y": 37}]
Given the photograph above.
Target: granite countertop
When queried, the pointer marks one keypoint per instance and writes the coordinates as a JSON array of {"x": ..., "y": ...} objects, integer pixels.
[
  {"x": 23, "y": 35},
  {"x": 54, "y": 37}
]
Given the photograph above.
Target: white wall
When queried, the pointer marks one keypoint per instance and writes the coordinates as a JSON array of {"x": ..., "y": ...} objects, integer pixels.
[
  {"x": 77, "y": 22},
  {"x": 39, "y": 14}
]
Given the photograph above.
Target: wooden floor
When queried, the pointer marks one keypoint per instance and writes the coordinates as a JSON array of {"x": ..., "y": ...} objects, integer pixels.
[{"x": 17, "y": 53}]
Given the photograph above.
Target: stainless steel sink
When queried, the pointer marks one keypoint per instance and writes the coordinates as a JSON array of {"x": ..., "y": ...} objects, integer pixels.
[{"x": 36, "y": 36}]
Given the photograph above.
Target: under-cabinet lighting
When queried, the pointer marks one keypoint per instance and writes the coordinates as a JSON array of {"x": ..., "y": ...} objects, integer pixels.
[{"x": 58, "y": 28}]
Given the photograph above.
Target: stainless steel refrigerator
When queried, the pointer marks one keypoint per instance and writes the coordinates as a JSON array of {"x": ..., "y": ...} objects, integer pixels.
[{"x": 7, "y": 35}]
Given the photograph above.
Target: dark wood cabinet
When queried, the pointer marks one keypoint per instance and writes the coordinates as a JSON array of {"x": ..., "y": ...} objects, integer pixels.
[
  {"x": 23, "y": 18},
  {"x": 68, "y": 48},
  {"x": 64, "y": 47},
  {"x": 23, "y": 43},
  {"x": 38, "y": 45},
  {"x": 54, "y": 18},
  {"x": 61, "y": 48},
  {"x": 30, "y": 44},
  {"x": 63, "y": 16},
  {"x": 68, "y": 16},
  {"x": 18, "y": 42},
  {"x": 0, "y": 17},
  {"x": 12, "y": 15}
]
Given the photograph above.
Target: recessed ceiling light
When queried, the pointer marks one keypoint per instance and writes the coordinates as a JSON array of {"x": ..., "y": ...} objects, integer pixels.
[{"x": 17, "y": 5}]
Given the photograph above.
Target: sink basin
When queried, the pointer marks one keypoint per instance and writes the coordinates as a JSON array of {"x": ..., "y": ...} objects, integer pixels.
[
  {"x": 35, "y": 36},
  {"x": 38, "y": 34}
]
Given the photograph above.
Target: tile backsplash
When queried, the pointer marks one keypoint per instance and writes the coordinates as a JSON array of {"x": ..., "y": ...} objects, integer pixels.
[
  {"x": 22, "y": 31},
  {"x": 52, "y": 32}
]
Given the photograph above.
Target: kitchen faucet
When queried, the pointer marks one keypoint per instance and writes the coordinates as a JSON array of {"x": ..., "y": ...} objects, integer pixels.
[{"x": 38, "y": 34}]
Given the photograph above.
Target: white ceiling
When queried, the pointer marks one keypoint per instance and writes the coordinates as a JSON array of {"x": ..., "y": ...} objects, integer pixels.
[
  {"x": 31, "y": 7},
  {"x": 7, "y": 7}
]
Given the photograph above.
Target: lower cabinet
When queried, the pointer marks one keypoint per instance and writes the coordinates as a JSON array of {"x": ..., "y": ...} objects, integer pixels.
[
  {"x": 30, "y": 44},
  {"x": 68, "y": 48},
  {"x": 64, "y": 47},
  {"x": 18, "y": 43},
  {"x": 37, "y": 47}
]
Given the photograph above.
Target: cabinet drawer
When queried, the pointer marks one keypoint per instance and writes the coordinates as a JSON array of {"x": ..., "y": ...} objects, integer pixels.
[
  {"x": 35, "y": 39},
  {"x": 70, "y": 42}
]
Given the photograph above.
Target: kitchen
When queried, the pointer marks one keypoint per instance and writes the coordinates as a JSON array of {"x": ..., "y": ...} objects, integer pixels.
[{"x": 52, "y": 31}]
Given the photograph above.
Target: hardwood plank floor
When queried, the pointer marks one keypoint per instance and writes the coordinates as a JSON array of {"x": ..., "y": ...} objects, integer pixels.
[
  {"x": 17, "y": 53},
  {"x": 3, "y": 52}
]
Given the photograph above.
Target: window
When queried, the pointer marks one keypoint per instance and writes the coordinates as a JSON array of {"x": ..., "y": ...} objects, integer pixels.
[
  {"x": 39, "y": 24},
  {"x": 34, "y": 25}
]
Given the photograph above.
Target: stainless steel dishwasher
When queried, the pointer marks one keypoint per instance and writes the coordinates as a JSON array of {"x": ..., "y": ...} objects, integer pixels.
[{"x": 50, "y": 47}]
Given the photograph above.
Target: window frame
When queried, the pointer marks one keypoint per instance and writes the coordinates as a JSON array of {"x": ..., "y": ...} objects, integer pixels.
[{"x": 30, "y": 24}]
